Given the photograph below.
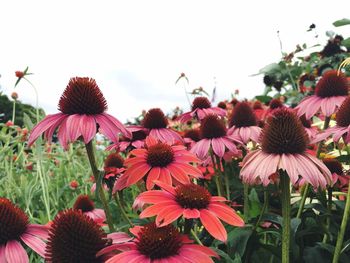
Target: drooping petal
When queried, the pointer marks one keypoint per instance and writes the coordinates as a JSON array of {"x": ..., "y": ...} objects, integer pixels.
[
  {"x": 38, "y": 230},
  {"x": 218, "y": 147},
  {"x": 107, "y": 127},
  {"x": 136, "y": 172},
  {"x": 155, "y": 209},
  {"x": 155, "y": 196},
  {"x": 88, "y": 128},
  {"x": 73, "y": 127},
  {"x": 226, "y": 214},
  {"x": 201, "y": 148},
  {"x": 191, "y": 213},
  {"x": 165, "y": 176},
  {"x": 127, "y": 257},
  {"x": 118, "y": 125},
  {"x": 15, "y": 252},
  {"x": 34, "y": 243},
  {"x": 49, "y": 121},
  {"x": 119, "y": 237},
  {"x": 2, "y": 254},
  {"x": 152, "y": 175},
  {"x": 168, "y": 215}
]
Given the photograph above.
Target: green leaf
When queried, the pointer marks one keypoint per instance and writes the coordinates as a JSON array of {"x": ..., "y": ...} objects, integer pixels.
[
  {"x": 27, "y": 121},
  {"x": 254, "y": 204},
  {"x": 269, "y": 69},
  {"x": 263, "y": 99},
  {"x": 223, "y": 255},
  {"x": 238, "y": 239},
  {"x": 346, "y": 42},
  {"x": 341, "y": 22},
  {"x": 343, "y": 158}
]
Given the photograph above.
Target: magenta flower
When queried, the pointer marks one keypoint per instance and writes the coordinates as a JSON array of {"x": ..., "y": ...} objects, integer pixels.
[
  {"x": 330, "y": 92},
  {"x": 14, "y": 228},
  {"x": 201, "y": 107},
  {"x": 342, "y": 128},
  {"x": 86, "y": 206},
  {"x": 154, "y": 244},
  {"x": 136, "y": 141},
  {"x": 82, "y": 107},
  {"x": 283, "y": 146},
  {"x": 156, "y": 125},
  {"x": 213, "y": 134},
  {"x": 243, "y": 123}
]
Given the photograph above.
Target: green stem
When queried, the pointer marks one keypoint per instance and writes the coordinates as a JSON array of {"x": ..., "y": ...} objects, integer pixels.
[
  {"x": 285, "y": 189},
  {"x": 97, "y": 174},
  {"x": 329, "y": 209},
  {"x": 266, "y": 203},
  {"x": 122, "y": 209},
  {"x": 341, "y": 233},
  {"x": 217, "y": 174},
  {"x": 196, "y": 237},
  {"x": 14, "y": 111},
  {"x": 36, "y": 99},
  {"x": 318, "y": 153},
  {"x": 188, "y": 226},
  {"x": 246, "y": 201}
]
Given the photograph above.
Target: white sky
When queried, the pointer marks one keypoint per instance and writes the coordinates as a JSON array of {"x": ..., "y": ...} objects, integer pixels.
[{"x": 136, "y": 49}]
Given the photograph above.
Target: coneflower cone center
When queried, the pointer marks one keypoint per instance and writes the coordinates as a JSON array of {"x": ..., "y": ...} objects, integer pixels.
[
  {"x": 212, "y": 127},
  {"x": 114, "y": 160},
  {"x": 275, "y": 104},
  {"x": 284, "y": 134},
  {"x": 159, "y": 242},
  {"x": 193, "y": 134},
  {"x": 332, "y": 84},
  {"x": 306, "y": 123},
  {"x": 73, "y": 238},
  {"x": 242, "y": 116},
  {"x": 160, "y": 155},
  {"x": 155, "y": 119},
  {"x": 82, "y": 96},
  {"x": 333, "y": 165},
  {"x": 343, "y": 114},
  {"x": 200, "y": 103},
  {"x": 84, "y": 203},
  {"x": 138, "y": 135},
  {"x": 192, "y": 196},
  {"x": 13, "y": 221}
]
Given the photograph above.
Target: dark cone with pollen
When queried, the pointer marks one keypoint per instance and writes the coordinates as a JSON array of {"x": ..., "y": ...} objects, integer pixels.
[
  {"x": 333, "y": 165},
  {"x": 275, "y": 104},
  {"x": 343, "y": 114},
  {"x": 160, "y": 155},
  {"x": 74, "y": 238},
  {"x": 84, "y": 203},
  {"x": 13, "y": 221},
  {"x": 284, "y": 134},
  {"x": 242, "y": 116},
  {"x": 332, "y": 84},
  {"x": 193, "y": 134},
  {"x": 200, "y": 103},
  {"x": 192, "y": 196},
  {"x": 155, "y": 119},
  {"x": 82, "y": 96},
  {"x": 212, "y": 127},
  {"x": 159, "y": 242},
  {"x": 114, "y": 160}
]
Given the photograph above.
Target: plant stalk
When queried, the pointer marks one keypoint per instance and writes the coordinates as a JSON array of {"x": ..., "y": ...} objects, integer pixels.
[{"x": 285, "y": 189}]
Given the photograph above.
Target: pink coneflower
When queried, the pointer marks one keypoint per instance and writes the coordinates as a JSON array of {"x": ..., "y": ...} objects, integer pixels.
[
  {"x": 243, "y": 123},
  {"x": 159, "y": 161},
  {"x": 189, "y": 201},
  {"x": 191, "y": 137},
  {"x": 159, "y": 245},
  {"x": 310, "y": 130},
  {"x": 201, "y": 107},
  {"x": 340, "y": 180},
  {"x": 213, "y": 133},
  {"x": 86, "y": 206},
  {"x": 330, "y": 92},
  {"x": 283, "y": 146},
  {"x": 136, "y": 141},
  {"x": 82, "y": 107},
  {"x": 342, "y": 128},
  {"x": 155, "y": 124},
  {"x": 74, "y": 237},
  {"x": 14, "y": 228}
]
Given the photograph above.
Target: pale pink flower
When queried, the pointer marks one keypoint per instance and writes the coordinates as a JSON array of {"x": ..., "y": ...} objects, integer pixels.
[{"x": 82, "y": 107}]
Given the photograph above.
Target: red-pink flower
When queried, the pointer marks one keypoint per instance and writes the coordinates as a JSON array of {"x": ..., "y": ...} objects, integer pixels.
[
  {"x": 156, "y": 125},
  {"x": 154, "y": 244},
  {"x": 214, "y": 134},
  {"x": 14, "y": 228},
  {"x": 189, "y": 201},
  {"x": 201, "y": 107},
  {"x": 283, "y": 146},
  {"x": 135, "y": 142},
  {"x": 330, "y": 92},
  {"x": 82, "y": 107},
  {"x": 87, "y": 207},
  {"x": 159, "y": 161},
  {"x": 243, "y": 123}
]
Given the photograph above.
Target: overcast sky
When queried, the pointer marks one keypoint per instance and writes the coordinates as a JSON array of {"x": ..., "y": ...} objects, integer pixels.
[{"x": 137, "y": 49}]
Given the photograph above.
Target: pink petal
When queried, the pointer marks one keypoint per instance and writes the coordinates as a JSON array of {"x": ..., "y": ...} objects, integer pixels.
[
  {"x": 15, "y": 252},
  {"x": 2, "y": 254},
  {"x": 88, "y": 128},
  {"x": 166, "y": 187},
  {"x": 136, "y": 172},
  {"x": 213, "y": 225},
  {"x": 201, "y": 148},
  {"x": 49, "y": 121},
  {"x": 126, "y": 257},
  {"x": 73, "y": 127},
  {"x": 169, "y": 215},
  {"x": 155, "y": 196},
  {"x": 152, "y": 175},
  {"x": 226, "y": 214},
  {"x": 165, "y": 176},
  {"x": 179, "y": 174},
  {"x": 107, "y": 127},
  {"x": 218, "y": 147},
  {"x": 38, "y": 230},
  {"x": 155, "y": 209},
  {"x": 34, "y": 243},
  {"x": 119, "y": 237},
  {"x": 118, "y": 125},
  {"x": 205, "y": 250},
  {"x": 191, "y": 213}
]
